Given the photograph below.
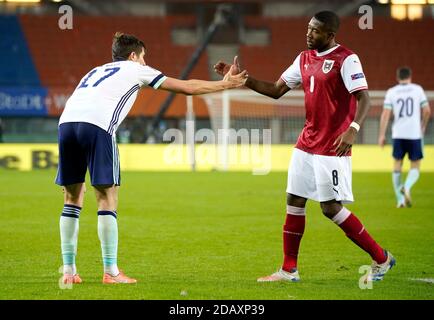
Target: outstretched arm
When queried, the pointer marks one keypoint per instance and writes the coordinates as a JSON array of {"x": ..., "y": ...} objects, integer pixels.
[
  {"x": 195, "y": 87},
  {"x": 384, "y": 121},
  {"x": 345, "y": 141},
  {"x": 274, "y": 90}
]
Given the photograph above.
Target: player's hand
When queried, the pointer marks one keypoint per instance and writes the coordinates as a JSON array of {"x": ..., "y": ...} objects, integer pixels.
[
  {"x": 223, "y": 68},
  {"x": 381, "y": 141},
  {"x": 236, "y": 79},
  {"x": 345, "y": 141}
]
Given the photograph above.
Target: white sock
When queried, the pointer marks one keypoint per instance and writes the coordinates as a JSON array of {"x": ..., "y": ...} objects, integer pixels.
[
  {"x": 396, "y": 180},
  {"x": 69, "y": 269},
  {"x": 69, "y": 227},
  {"x": 112, "y": 270},
  {"x": 108, "y": 235},
  {"x": 412, "y": 177}
]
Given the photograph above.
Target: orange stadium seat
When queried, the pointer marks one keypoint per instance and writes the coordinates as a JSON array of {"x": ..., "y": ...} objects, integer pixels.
[
  {"x": 381, "y": 50},
  {"x": 62, "y": 57}
]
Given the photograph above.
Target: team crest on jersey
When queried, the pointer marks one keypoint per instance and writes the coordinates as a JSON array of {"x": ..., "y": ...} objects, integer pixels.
[{"x": 327, "y": 65}]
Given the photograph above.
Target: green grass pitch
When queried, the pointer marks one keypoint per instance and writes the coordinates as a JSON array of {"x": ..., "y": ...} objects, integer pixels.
[{"x": 209, "y": 236}]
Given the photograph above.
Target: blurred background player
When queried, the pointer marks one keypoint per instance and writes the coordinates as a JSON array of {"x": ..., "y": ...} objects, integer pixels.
[
  {"x": 336, "y": 102},
  {"x": 405, "y": 100},
  {"x": 87, "y": 130}
]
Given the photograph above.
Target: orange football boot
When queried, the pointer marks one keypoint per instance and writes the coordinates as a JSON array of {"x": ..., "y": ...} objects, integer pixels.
[
  {"x": 71, "y": 279},
  {"x": 120, "y": 278}
]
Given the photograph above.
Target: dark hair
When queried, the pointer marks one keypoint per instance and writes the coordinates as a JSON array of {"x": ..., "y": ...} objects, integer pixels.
[
  {"x": 329, "y": 19},
  {"x": 403, "y": 73},
  {"x": 124, "y": 44}
]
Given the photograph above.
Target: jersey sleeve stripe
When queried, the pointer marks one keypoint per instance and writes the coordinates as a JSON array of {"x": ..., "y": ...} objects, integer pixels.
[
  {"x": 154, "y": 82},
  {"x": 423, "y": 103},
  {"x": 387, "y": 106},
  {"x": 284, "y": 80},
  {"x": 288, "y": 84},
  {"x": 358, "y": 88},
  {"x": 159, "y": 82}
]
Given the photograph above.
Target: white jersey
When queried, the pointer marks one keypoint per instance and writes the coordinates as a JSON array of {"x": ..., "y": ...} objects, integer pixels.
[
  {"x": 106, "y": 94},
  {"x": 406, "y": 101}
]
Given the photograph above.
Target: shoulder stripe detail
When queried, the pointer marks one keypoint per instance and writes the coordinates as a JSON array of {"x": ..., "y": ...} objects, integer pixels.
[
  {"x": 153, "y": 82},
  {"x": 120, "y": 106}
]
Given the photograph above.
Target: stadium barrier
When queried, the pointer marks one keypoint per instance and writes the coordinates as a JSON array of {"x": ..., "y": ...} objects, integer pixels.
[{"x": 176, "y": 157}]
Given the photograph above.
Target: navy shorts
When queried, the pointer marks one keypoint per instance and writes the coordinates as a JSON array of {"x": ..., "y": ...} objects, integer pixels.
[
  {"x": 412, "y": 147},
  {"x": 84, "y": 145}
]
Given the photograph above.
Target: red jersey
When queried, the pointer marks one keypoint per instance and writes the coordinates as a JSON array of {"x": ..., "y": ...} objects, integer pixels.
[{"x": 328, "y": 78}]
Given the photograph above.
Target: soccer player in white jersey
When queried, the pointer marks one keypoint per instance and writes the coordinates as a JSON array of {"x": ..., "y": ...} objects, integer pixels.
[
  {"x": 409, "y": 105},
  {"x": 336, "y": 101},
  {"x": 87, "y": 129}
]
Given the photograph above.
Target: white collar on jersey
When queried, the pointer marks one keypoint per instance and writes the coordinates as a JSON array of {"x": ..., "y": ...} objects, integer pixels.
[{"x": 320, "y": 54}]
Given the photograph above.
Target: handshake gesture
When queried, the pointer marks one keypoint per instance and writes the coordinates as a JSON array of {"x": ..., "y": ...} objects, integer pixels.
[{"x": 231, "y": 72}]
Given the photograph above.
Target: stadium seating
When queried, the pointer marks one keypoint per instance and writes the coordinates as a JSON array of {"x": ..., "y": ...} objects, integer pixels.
[
  {"x": 381, "y": 49},
  {"x": 15, "y": 60},
  {"x": 62, "y": 57},
  {"x": 35, "y": 51}
]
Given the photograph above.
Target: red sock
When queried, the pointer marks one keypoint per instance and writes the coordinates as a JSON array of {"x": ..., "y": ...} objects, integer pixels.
[
  {"x": 292, "y": 233},
  {"x": 354, "y": 230}
]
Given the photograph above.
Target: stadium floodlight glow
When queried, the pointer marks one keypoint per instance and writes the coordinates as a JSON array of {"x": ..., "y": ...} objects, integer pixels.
[
  {"x": 383, "y": 1},
  {"x": 409, "y": 1},
  {"x": 24, "y": 1},
  {"x": 398, "y": 11},
  {"x": 415, "y": 12}
]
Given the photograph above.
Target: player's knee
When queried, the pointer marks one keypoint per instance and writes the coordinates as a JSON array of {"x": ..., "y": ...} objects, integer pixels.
[
  {"x": 295, "y": 201},
  {"x": 330, "y": 209},
  {"x": 74, "y": 194},
  {"x": 106, "y": 198},
  {"x": 74, "y": 200}
]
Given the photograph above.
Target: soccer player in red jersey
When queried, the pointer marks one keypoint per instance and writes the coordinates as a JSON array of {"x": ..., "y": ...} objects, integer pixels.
[{"x": 336, "y": 101}]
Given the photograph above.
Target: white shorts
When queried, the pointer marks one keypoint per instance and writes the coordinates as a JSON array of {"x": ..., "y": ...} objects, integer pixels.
[{"x": 320, "y": 178}]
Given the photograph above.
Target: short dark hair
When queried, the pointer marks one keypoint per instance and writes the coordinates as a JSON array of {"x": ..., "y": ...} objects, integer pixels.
[
  {"x": 403, "y": 73},
  {"x": 329, "y": 19},
  {"x": 124, "y": 44}
]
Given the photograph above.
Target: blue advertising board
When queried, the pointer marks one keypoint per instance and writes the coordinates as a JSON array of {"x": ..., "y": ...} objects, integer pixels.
[{"x": 20, "y": 101}]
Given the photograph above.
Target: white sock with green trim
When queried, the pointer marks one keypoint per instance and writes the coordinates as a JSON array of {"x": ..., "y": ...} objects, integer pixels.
[
  {"x": 69, "y": 226},
  {"x": 108, "y": 235},
  {"x": 412, "y": 177},
  {"x": 396, "y": 179}
]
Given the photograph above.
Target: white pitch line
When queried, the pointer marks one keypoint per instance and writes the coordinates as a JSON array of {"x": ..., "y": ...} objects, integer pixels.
[{"x": 428, "y": 280}]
